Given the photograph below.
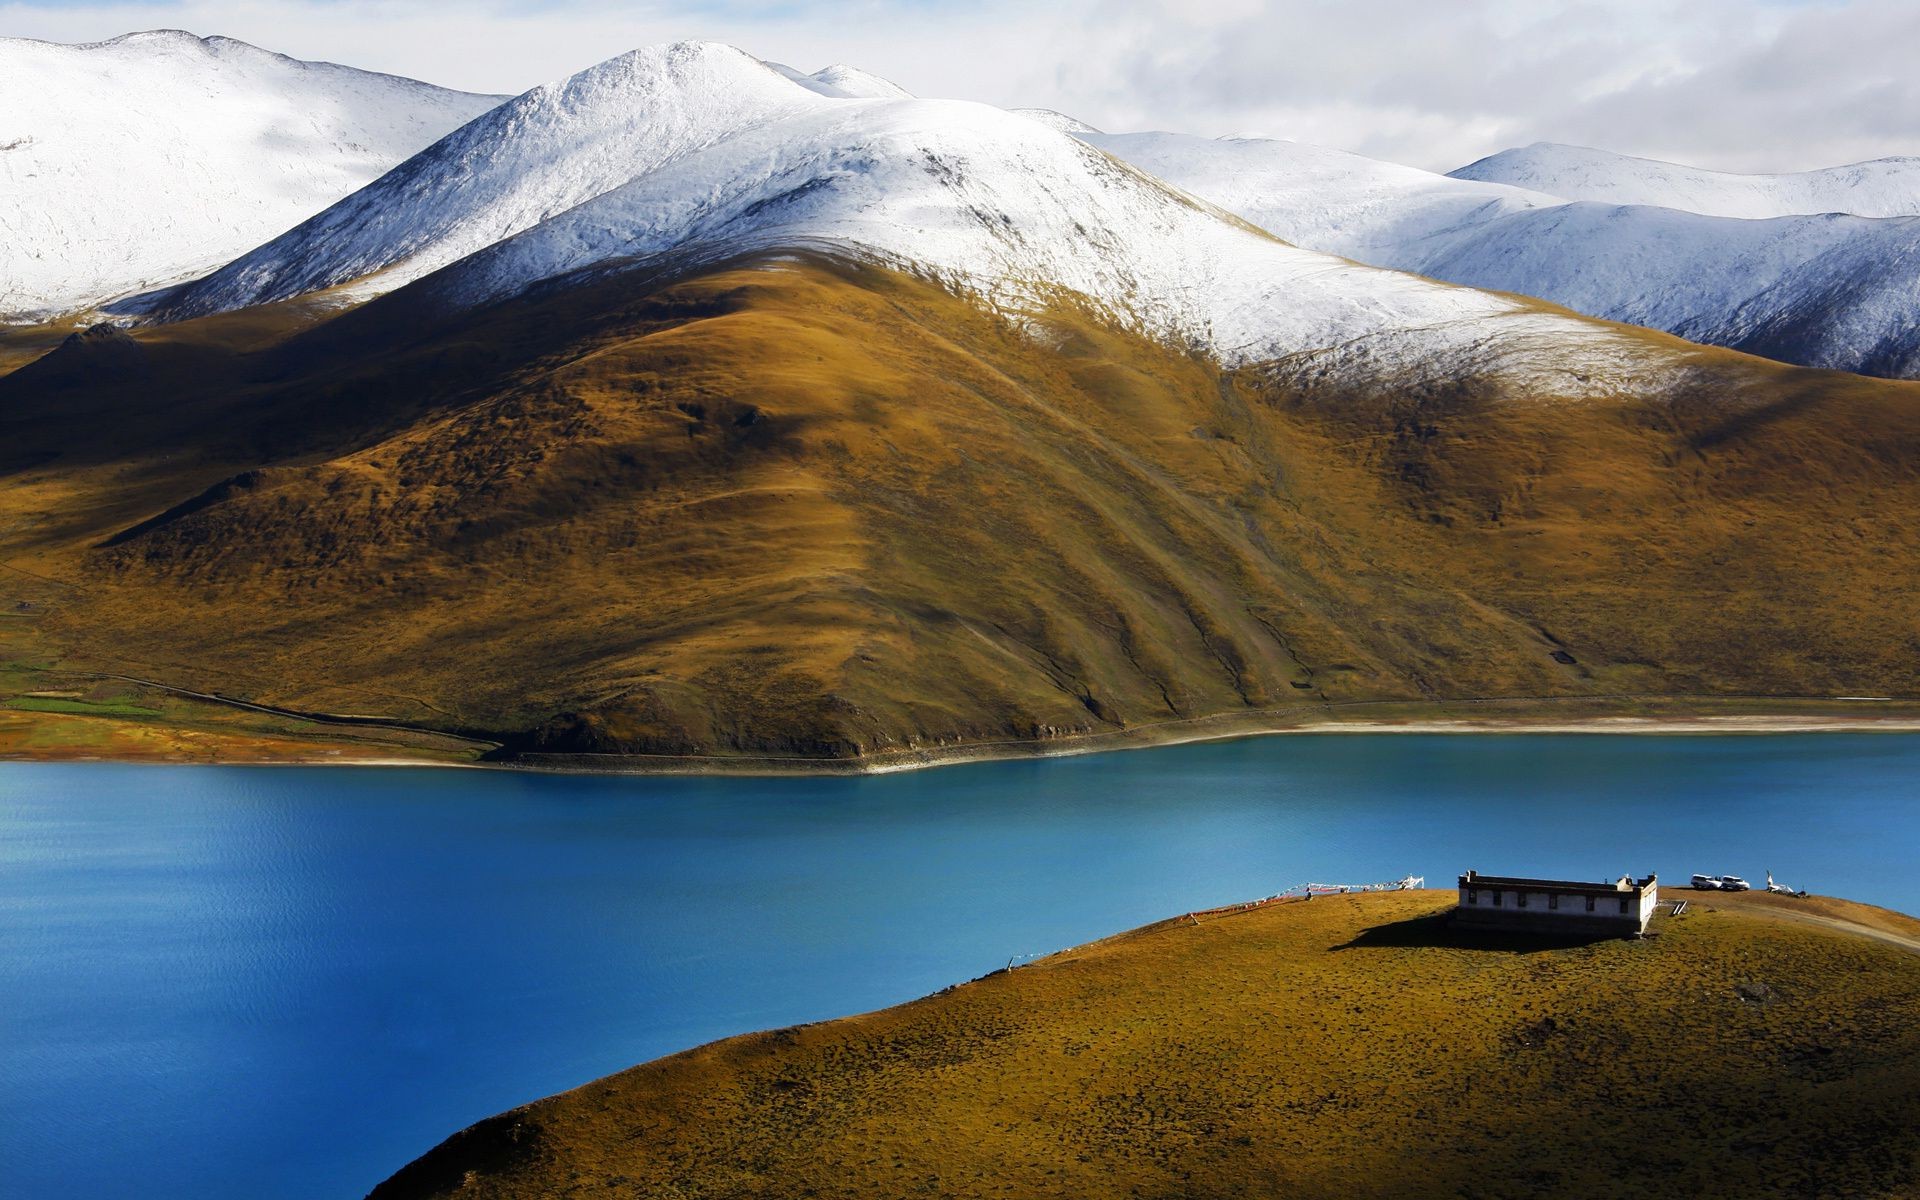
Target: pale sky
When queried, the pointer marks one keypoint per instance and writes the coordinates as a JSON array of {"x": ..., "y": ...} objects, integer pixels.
[{"x": 1747, "y": 85}]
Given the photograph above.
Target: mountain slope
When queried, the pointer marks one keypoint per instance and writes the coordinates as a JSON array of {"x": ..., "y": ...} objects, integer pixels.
[
  {"x": 799, "y": 505},
  {"x": 155, "y": 156},
  {"x": 1823, "y": 291},
  {"x": 1829, "y": 291},
  {"x": 1885, "y": 187}
]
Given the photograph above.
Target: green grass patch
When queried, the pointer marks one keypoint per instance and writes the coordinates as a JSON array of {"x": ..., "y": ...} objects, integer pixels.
[{"x": 82, "y": 708}]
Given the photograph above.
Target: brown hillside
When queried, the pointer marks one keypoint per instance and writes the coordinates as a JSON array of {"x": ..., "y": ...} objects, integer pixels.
[
  {"x": 794, "y": 507},
  {"x": 1346, "y": 1047}
]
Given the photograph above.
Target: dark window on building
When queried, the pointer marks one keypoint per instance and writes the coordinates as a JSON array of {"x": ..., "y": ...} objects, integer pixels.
[
  {"x": 1623, "y": 906},
  {"x": 1519, "y": 899},
  {"x": 1496, "y": 899},
  {"x": 1473, "y": 897},
  {"x": 1589, "y": 903},
  {"x": 1553, "y": 900}
]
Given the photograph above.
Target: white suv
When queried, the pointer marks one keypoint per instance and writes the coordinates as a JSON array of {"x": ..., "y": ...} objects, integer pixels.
[
  {"x": 1706, "y": 883},
  {"x": 1733, "y": 883}
]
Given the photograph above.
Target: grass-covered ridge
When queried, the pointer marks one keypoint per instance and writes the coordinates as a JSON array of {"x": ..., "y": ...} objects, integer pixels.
[
  {"x": 1345, "y": 1047},
  {"x": 801, "y": 509}
]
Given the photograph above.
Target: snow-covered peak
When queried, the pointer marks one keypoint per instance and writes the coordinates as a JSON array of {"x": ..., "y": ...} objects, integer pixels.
[
  {"x": 841, "y": 82},
  {"x": 1886, "y": 187},
  {"x": 154, "y": 156},
  {"x": 529, "y": 159}
]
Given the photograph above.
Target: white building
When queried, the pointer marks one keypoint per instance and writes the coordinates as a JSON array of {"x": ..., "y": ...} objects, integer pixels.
[{"x": 1559, "y": 907}]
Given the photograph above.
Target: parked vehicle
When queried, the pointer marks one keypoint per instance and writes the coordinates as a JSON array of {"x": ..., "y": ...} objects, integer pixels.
[
  {"x": 1706, "y": 883},
  {"x": 1733, "y": 883}
]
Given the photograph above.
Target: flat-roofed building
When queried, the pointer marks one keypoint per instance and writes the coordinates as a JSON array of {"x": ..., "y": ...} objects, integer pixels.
[{"x": 1510, "y": 904}]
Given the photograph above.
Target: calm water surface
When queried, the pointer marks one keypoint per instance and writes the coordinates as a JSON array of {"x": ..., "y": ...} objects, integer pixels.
[{"x": 287, "y": 982}]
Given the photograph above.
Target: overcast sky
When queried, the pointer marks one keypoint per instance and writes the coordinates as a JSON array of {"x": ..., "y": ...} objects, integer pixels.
[{"x": 1750, "y": 85}]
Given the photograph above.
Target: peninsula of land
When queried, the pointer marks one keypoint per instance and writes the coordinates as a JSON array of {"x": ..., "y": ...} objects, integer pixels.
[{"x": 1350, "y": 1046}]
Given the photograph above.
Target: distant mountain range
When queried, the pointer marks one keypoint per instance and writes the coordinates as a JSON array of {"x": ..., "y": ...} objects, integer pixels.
[
  {"x": 697, "y": 406},
  {"x": 1887, "y": 187},
  {"x": 1767, "y": 264}
]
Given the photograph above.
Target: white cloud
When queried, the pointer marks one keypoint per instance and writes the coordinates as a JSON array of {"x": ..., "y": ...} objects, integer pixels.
[{"x": 1737, "y": 84}]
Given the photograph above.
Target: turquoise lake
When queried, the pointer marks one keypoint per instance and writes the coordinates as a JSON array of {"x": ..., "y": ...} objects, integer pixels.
[{"x": 245, "y": 982}]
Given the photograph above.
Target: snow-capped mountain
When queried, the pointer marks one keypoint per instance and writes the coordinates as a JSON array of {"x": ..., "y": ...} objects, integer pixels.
[
  {"x": 156, "y": 156},
  {"x": 533, "y": 157},
  {"x": 1885, "y": 187},
  {"x": 701, "y": 152},
  {"x": 1837, "y": 291}
]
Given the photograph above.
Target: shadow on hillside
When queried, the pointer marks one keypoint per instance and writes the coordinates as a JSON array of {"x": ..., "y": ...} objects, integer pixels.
[{"x": 1438, "y": 930}]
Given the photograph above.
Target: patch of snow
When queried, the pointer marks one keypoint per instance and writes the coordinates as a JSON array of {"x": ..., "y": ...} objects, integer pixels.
[
  {"x": 1058, "y": 121},
  {"x": 855, "y": 84}
]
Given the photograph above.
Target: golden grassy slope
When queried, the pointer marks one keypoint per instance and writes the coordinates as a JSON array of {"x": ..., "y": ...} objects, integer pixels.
[
  {"x": 795, "y": 507},
  {"x": 1344, "y": 1048}
]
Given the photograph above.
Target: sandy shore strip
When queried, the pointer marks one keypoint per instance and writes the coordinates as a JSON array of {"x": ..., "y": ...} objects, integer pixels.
[
  {"x": 1407, "y": 719},
  {"x": 1219, "y": 729}
]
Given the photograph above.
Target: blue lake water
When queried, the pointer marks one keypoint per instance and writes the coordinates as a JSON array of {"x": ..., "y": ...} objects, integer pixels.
[{"x": 252, "y": 982}]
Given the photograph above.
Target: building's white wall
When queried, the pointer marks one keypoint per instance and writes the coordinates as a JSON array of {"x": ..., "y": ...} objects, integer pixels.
[{"x": 1605, "y": 908}]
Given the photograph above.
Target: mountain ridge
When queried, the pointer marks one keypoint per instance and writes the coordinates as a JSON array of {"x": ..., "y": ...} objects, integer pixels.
[{"x": 1880, "y": 187}]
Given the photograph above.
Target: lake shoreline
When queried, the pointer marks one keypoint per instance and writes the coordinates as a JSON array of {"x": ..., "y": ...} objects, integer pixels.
[{"x": 1497, "y": 718}]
